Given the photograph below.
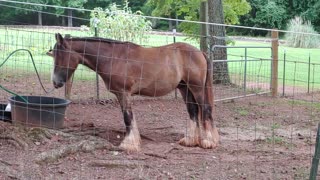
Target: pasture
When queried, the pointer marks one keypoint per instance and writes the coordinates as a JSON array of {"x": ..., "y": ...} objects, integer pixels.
[{"x": 261, "y": 137}]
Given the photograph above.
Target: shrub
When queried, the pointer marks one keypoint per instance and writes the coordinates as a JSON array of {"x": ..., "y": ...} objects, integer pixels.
[
  {"x": 120, "y": 24},
  {"x": 299, "y": 39}
]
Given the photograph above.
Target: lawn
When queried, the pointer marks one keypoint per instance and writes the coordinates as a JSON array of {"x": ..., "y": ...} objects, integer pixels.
[{"x": 257, "y": 68}]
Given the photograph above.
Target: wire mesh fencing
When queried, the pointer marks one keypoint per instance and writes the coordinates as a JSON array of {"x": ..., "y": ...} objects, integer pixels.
[{"x": 260, "y": 137}]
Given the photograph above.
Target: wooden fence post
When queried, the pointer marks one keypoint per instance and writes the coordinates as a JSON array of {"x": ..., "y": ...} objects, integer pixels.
[
  {"x": 68, "y": 86},
  {"x": 274, "y": 75}
]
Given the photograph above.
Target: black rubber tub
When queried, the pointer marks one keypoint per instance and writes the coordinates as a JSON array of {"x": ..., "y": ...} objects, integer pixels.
[
  {"x": 40, "y": 111},
  {"x": 4, "y": 115}
]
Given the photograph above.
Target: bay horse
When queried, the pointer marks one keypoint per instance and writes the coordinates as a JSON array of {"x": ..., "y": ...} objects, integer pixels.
[{"x": 129, "y": 69}]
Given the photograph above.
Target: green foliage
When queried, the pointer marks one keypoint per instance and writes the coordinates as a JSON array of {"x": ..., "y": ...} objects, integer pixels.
[
  {"x": 189, "y": 10},
  {"x": 73, "y": 3},
  {"x": 242, "y": 111},
  {"x": 277, "y": 13},
  {"x": 271, "y": 15},
  {"x": 120, "y": 24},
  {"x": 233, "y": 9},
  {"x": 162, "y": 7},
  {"x": 265, "y": 14},
  {"x": 98, "y": 3},
  {"x": 298, "y": 39},
  {"x": 274, "y": 138},
  {"x": 38, "y": 8},
  {"x": 136, "y": 5},
  {"x": 190, "y": 29}
]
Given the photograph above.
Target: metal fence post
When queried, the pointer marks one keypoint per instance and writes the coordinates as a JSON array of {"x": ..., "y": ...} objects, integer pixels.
[
  {"x": 315, "y": 159},
  {"x": 96, "y": 22},
  {"x": 174, "y": 31},
  {"x": 245, "y": 71},
  {"x": 309, "y": 73},
  {"x": 284, "y": 73}
]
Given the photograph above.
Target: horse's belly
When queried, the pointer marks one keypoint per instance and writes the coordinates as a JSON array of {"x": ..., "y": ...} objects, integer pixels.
[{"x": 156, "y": 89}]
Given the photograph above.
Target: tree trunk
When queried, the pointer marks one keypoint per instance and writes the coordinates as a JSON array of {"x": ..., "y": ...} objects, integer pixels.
[
  {"x": 218, "y": 34},
  {"x": 39, "y": 18},
  {"x": 70, "y": 18},
  {"x": 204, "y": 30}
]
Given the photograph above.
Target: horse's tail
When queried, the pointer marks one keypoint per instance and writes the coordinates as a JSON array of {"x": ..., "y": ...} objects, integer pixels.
[{"x": 209, "y": 81}]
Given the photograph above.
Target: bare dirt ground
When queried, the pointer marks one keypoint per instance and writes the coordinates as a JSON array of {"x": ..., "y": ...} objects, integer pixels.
[{"x": 261, "y": 138}]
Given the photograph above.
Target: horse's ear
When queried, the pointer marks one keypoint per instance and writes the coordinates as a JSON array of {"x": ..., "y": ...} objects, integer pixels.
[{"x": 59, "y": 39}]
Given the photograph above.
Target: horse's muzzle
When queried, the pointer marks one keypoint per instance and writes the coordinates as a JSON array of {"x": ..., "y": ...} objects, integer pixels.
[{"x": 57, "y": 85}]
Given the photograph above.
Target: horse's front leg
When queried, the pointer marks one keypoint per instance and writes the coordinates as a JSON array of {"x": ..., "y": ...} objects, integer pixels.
[{"x": 132, "y": 140}]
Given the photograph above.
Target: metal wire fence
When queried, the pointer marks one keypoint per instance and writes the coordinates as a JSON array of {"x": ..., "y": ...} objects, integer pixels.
[
  {"x": 261, "y": 137},
  {"x": 248, "y": 74}
]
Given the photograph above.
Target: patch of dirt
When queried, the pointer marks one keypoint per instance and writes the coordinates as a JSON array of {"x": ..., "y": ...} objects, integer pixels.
[{"x": 261, "y": 138}]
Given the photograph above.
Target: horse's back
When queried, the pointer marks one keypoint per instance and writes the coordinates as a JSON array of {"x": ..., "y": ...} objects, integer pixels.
[{"x": 178, "y": 54}]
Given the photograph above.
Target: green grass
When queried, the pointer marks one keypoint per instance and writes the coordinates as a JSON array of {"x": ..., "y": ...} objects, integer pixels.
[
  {"x": 297, "y": 68},
  {"x": 315, "y": 105},
  {"x": 242, "y": 111},
  {"x": 296, "y": 73}
]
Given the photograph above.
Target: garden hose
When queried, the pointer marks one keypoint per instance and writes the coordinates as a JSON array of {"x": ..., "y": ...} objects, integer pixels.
[{"x": 35, "y": 68}]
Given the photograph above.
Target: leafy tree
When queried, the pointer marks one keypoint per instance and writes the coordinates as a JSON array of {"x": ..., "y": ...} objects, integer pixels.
[
  {"x": 98, "y": 3},
  {"x": 20, "y": 13},
  {"x": 271, "y": 15},
  {"x": 277, "y": 13},
  {"x": 311, "y": 12},
  {"x": 189, "y": 10},
  {"x": 164, "y": 8},
  {"x": 73, "y": 4},
  {"x": 233, "y": 9},
  {"x": 136, "y": 5}
]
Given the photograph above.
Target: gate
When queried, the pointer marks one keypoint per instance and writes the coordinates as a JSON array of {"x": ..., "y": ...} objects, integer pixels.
[{"x": 249, "y": 69}]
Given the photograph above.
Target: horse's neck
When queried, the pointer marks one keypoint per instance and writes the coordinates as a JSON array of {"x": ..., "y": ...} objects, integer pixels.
[
  {"x": 90, "y": 50},
  {"x": 83, "y": 48}
]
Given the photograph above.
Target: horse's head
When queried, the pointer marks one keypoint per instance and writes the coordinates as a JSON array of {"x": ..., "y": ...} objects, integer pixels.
[{"x": 66, "y": 61}]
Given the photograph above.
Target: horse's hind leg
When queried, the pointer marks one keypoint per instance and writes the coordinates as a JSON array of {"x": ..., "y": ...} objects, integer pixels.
[
  {"x": 192, "y": 133},
  {"x": 209, "y": 136},
  {"x": 132, "y": 140}
]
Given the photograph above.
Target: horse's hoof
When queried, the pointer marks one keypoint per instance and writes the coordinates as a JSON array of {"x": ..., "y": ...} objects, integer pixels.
[
  {"x": 189, "y": 142},
  {"x": 131, "y": 144},
  {"x": 207, "y": 144},
  {"x": 129, "y": 148}
]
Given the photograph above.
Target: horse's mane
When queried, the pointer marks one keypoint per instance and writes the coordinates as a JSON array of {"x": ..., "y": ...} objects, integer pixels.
[{"x": 98, "y": 39}]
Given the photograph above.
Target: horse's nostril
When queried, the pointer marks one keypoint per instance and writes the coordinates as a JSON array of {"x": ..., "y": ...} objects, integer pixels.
[{"x": 57, "y": 85}]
